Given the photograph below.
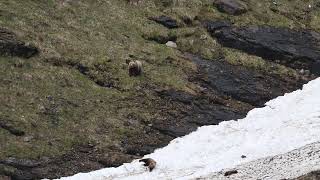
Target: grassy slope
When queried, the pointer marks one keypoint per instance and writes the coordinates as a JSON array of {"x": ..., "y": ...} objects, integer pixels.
[{"x": 60, "y": 107}]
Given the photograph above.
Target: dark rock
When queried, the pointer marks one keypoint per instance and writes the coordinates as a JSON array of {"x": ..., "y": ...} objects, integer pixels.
[
  {"x": 243, "y": 156},
  {"x": 233, "y": 7},
  {"x": 231, "y": 172},
  {"x": 310, "y": 176},
  {"x": 9, "y": 127},
  {"x": 212, "y": 26},
  {"x": 164, "y": 3},
  {"x": 297, "y": 49},
  {"x": 11, "y": 46},
  {"x": 243, "y": 84},
  {"x": 165, "y": 21},
  {"x": 315, "y": 68}
]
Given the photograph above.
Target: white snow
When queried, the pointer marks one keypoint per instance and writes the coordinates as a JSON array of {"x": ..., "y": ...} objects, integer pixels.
[
  {"x": 284, "y": 124},
  {"x": 283, "y": 166}
]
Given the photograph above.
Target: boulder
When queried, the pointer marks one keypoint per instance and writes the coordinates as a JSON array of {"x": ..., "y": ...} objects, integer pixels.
[
  {"x": 299, "y": 49},
  {"x": 233, "y": 7},
  {"x": 165, "y": 21},
  {"x": 171, "y": 44},
  {"x": 11, "y": 46},
  {"x": 212, "y": 26}
]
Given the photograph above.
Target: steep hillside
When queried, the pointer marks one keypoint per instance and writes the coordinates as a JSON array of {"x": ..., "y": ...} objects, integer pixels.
[
  {"x": 272, "y": 142},
  {"x": 70, "y": 105}
]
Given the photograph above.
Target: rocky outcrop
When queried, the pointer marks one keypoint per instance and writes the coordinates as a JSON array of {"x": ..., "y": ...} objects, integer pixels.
[
  {"x": 228, "y": 92},
  {"x": 241, "y": 83},
  {"x": 232, "y": 7},
  {"x": 11, "y": 128},
  {"x": 165, "y": 21},
  {"x": 11, "y": 46},
  {"x": 298, "y": 49}
]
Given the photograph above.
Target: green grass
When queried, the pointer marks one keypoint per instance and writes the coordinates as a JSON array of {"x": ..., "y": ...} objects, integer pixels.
[{"x": 48, "y": 98}]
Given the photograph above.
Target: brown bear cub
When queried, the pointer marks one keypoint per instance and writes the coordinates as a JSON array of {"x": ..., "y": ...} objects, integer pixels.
[
  {"x": 135, "y": 68},
  {"x": 149, "y": 162}
]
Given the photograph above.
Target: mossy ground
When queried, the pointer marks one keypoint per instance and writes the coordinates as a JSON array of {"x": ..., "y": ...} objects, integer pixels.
[{"x": 60, "y": 107}]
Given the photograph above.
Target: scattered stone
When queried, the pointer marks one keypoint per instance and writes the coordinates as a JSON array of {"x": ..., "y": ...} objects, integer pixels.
[
  {"x": 11, "y": 46},
  {"x": 135, "y": 68},
  {"x": 231, "y": 172},
  {"x": 171, "y": 44},
  {"x": 301, "y": 71},
  {"x": 165, "y": 21},
  {"x": 233, "y": 7},
  {"x": 149, "y": 162},
  {"x": 298, "y": 49},
  {"x": 307, "y": 72},
  {"x": 27, "y": 138}
]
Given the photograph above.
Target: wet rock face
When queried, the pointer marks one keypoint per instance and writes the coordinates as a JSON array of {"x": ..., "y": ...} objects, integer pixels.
[
  {"x": 233, "y": 7},
  {"x": 11, "y": 128},
  {"x": 243, "y": 84},
  {"x": 11, "y": 46},
  {"x": 212, "y": 26},
  {"x": 165, "y": 21},
  {"x": 296, "y": 49},
  {"x": 66, "y": 165}
]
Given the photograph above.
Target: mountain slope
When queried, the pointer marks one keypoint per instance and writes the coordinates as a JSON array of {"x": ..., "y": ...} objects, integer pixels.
[
  {"x": 70, "y": 106},
  {"x": 286, "y": 123}
]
